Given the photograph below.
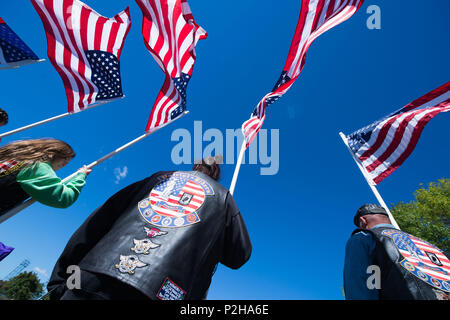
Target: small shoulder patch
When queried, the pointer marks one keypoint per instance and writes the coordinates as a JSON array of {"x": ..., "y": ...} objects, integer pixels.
[{"x": 170, "y": 291}]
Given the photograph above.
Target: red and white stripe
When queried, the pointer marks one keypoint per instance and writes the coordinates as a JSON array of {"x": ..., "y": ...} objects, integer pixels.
[
  {"x": 394, "y": 138},
  {"x": 72, "y": 27},
  {"x": 170, "y": 34},
  {"x": 7, "y": 165},
  {"x": 190, "y": 187},
  {"x": 316, "y": 17},
  {"x": 423, "y": 246}
]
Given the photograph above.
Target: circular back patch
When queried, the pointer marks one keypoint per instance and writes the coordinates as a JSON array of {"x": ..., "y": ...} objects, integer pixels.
[
  {"x": 422, "y": 259},
  {"x": 175, "y": 200}
]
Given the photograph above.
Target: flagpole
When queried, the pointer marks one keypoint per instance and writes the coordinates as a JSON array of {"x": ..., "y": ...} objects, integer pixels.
[
  {"x": 237, "y": 168},
  {"x": 17, "y": 65},
  {"x": 9, "y": 133},
  {"x": 370, "y": 182},
  {"x": 29, "y": 202}
]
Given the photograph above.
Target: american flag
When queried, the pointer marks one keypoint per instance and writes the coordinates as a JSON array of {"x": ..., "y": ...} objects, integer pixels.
[
  {"x": 13, "y": 51},
  {"x": 316, "y": 17},
  {"x": 384, "y": 145},
  {"x": 170, "y": 34},
  {"x": 174, "y": 204},
  {"x": 424, "y": 260},
  {"x": 7, "y": 166},
  {"x": 84, "y": 47}
]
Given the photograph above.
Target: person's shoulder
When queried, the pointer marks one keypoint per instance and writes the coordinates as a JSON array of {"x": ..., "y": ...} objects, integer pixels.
[
  {"x": 360, "y": 235},
  {"x": 35, "y": 170}
]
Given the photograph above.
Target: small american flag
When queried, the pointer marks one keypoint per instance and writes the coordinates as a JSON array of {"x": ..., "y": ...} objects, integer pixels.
[
  {"x": 7, "y": 166},
  {"x": 384, "y": 145},
  {"x": 316, "y": 17},
  {"x": 13, "y": 51},
  {"x": 173, "y": 204},
  {"x": 170, "y": 34},
  {"x": 84, "y": 47}
]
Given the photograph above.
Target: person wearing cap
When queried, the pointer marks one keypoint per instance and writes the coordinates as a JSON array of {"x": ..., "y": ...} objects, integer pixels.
[{"x": 385, "y": 263}]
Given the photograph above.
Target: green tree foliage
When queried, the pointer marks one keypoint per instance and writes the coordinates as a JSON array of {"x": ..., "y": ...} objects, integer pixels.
[
  {"x": 428, "y": 215},
  {"x": 25, "y": 286}
]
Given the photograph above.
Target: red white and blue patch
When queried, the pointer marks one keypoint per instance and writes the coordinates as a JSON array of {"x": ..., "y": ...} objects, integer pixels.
[
  {"x": 170, "y": 291},
  {"x": 175, "y": 200},
  {"x": 422, "y": 259}
]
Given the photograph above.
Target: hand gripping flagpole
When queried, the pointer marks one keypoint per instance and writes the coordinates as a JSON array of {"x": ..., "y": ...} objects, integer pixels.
[
  {"x": 370, "y": 182},
  {"x": 29, "y": 202},
  {"x": 9, "y": 133}
]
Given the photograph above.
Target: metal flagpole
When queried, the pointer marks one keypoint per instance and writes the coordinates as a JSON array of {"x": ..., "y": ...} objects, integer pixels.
[
  {"x": 238, "y": 167},
  {"x": 370, "y": 182},
  {"x": 19, "y": 64},
  {"x": 29, "y": 202},
  {"x": 9, "y": 133}
]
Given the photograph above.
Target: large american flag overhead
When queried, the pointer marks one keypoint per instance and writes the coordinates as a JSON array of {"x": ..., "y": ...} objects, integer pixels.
[
  {"x": 384, "y": 145},
  {"x": 316, "y": 17},
  {"x": 13, "y": 51},
  {"x": 84, "y": 47},
  {"x": 170, "y": 34}
]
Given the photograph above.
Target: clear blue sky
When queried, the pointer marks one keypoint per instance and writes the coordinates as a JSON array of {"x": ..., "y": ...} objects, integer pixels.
[{"x": 299, "y": 219}]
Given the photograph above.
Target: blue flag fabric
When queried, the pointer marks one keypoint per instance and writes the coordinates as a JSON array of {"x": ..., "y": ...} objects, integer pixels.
[
  {"x": 4, "y": 251},
  {"x": 12, "y": 49}
]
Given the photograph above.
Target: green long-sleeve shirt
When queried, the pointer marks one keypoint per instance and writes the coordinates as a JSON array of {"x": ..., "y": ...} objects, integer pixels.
[{"x": 43, "y": 185}]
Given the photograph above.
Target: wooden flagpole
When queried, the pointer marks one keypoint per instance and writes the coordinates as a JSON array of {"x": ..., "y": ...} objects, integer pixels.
[
  {"x": 370, "y": 182},
  {"x": 19, "y": 64},
  {"x": 9, "y": 133},
  {"x": 237, "y": 168},
  {"x": 29, "y": 202}
]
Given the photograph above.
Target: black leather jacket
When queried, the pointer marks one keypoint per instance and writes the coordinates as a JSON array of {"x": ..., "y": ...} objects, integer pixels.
[
  {"x": 410, "y": 267},
  {"x": 11, "y": 193},
  {"x": 163, "y": 236}
]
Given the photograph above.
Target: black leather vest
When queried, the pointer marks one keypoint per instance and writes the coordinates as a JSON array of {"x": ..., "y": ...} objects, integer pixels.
[
  {"x": 11, "y": 193},
  {"x": 164, "y": 243},
  {"x": 411, "y": 268}
]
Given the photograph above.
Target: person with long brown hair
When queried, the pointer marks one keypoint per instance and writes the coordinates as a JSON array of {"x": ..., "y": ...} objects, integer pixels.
[{"x": 27, "y": 169}]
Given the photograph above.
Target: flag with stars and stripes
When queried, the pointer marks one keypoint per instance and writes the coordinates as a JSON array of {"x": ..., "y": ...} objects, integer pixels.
[
  {"x": 170, "y": 34},
  {"x": 13, "y": 51},
  {"x": 85, "y": 48},
  {"x": 316, "y": 17},
  {"x": 384, "y": 145}
]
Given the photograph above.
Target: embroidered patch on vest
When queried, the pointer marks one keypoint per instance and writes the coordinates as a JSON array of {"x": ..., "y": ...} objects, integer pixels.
[
  {"x": 154, "y": 232},
  {"x": 143, "y": 246},
  {"x": 170, "y": 291},
  {"x": 175, "y": 200},
  {"x": 128, "y": 264},
  {"x": 422, "y": 259},
  {"x": 9, "y": 167}
]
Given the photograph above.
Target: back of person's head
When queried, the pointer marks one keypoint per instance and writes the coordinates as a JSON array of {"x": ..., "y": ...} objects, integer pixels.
[
  {"x": 372, "y": 213},
  {"x": 210, "y": 166},
  {"x": 38, "y": 150},
  {"x": 3, "y": 117}
]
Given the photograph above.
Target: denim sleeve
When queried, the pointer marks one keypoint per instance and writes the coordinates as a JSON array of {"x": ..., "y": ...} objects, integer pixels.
[{"x": 358, "y": 256}]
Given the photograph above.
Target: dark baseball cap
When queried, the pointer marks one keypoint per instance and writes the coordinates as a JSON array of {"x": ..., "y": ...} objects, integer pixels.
[{"x": 368, "y": 209}]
